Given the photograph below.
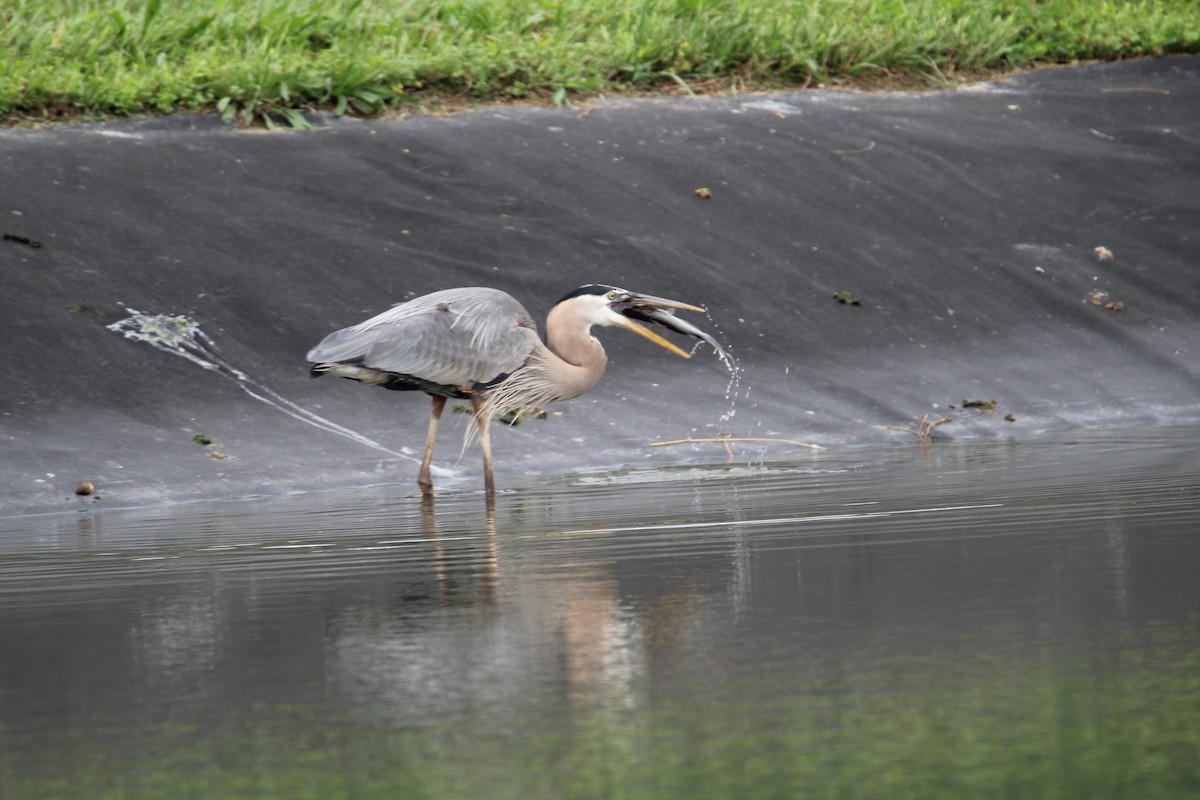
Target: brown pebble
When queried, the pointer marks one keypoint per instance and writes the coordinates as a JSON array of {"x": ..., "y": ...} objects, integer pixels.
[{"x": 85, "y": 488}]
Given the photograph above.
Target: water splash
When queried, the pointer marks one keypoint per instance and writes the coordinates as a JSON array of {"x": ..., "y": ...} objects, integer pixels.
[
  {"x": 733, "y": 388},
  {"x": 182, "y": 336}
]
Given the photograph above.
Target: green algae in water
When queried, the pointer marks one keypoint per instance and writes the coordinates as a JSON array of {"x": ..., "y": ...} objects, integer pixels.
[
  {"x": 178, "y": 334},
  {"x": 1105, "y": 726}
]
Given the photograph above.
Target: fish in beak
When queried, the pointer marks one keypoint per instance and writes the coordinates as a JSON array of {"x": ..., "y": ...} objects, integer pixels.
[{"x": 661, "y": 311}]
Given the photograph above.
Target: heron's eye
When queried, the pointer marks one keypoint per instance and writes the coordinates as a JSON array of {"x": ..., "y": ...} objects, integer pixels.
[{"x": 612, "y": 295}]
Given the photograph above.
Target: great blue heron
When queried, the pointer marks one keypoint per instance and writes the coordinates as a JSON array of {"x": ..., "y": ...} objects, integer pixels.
[{"x": 482, "y": 345}]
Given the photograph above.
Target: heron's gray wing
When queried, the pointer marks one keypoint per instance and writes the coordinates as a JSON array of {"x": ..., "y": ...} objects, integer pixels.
[{"x": 452, "y": 337}]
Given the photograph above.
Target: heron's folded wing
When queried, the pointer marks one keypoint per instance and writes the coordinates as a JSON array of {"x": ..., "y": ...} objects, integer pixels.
[{"x": 455, "y": 337}]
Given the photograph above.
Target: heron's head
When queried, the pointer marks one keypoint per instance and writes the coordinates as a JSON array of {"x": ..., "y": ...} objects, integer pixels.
[{"x": 599, "y": 304}]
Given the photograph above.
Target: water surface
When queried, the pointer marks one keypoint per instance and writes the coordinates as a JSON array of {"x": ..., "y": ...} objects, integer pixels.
[{"x": 998, "y": 618}]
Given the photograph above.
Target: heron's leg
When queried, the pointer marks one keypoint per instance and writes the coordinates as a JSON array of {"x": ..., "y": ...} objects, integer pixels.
[
  {"x": 484, "y": 421},
  {"x": 423, "y": 479}
]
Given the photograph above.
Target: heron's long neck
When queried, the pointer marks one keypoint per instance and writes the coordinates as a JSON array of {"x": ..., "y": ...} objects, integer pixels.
[
  {"x": 568, "y": 367},
  {"x": 575, "y": 360}
]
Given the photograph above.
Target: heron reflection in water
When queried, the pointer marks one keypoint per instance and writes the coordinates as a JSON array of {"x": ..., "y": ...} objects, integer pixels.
[{"x": 481, "y": 345}]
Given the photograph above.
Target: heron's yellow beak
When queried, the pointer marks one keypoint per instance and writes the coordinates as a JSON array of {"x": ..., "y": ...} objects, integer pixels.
[{"x": 629, "y": 324}]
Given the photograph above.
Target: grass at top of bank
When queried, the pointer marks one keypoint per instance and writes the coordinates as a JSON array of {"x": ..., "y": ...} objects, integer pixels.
[{"x": 269, "y": 60}]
